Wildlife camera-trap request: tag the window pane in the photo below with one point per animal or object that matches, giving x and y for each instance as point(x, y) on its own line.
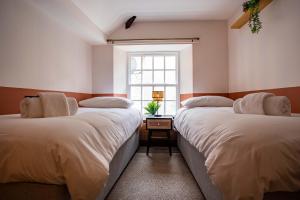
point(170, 107)
point(147, 93)
point(135, 77)
point(147, 77)
point(136, 62)
point(170, 93)
point(137, 105)
point(161, 110)
point(158, 62)
point(147, 62)
point(159, 76)
point(170, 62)
point(135, 93)
point(159, 88)
point(171, 77)
point(145, 103)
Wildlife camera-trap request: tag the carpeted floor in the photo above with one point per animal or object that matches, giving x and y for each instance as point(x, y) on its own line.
point(158, 177)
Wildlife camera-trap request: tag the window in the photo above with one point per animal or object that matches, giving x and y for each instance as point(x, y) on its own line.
point(153, 71)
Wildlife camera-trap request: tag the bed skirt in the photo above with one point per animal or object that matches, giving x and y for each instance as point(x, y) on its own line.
point(38, 191)
point(195, 160)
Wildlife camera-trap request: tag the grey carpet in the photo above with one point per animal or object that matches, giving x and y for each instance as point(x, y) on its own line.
point(157, 176)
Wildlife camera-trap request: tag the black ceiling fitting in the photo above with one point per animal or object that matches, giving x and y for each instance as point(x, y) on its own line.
point(129, 22)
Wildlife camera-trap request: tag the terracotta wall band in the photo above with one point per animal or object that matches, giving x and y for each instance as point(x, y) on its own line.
point(293, 93)
point(11, 97)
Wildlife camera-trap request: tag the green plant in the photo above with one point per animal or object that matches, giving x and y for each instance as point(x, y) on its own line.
point(152, 107)
point(254, 21)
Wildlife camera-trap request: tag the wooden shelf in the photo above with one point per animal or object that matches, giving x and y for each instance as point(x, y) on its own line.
point(242, 20)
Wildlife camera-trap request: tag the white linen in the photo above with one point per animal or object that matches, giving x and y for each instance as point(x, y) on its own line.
point(263, 104)
point(106, 102)
point(31, 107)
point(254, 103)
point(54, 104)
point(73, 105)
point(74, 150)
point(246, 155)
point(277, 106)
point(237, 106)
point(207, 101)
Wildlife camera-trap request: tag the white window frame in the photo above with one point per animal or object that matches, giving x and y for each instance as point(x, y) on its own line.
point(155, 53)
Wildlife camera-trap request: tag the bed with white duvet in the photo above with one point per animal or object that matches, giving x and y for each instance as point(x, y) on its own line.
point(75, 151)
point(244, 156)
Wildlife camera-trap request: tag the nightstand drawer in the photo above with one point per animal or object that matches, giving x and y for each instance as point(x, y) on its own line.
point(159, 124)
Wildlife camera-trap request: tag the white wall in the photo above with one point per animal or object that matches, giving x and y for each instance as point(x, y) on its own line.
point(102, 62)
point(269, 59)
point(210, 56)
point(120, 71)
point(186, 70)
point(109, 70)
point(38, 53)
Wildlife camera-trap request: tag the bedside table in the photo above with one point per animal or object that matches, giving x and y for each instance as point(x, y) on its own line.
point(162, 124)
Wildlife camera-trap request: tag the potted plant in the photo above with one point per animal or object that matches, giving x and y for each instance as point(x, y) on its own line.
point(152, 107)
point(254, 21)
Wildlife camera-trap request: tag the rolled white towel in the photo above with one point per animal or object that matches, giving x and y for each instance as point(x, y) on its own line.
point(73, 105)
point(237, 106)
point(278, 106)
point(54, 104)
point(254, 103)
point(31, 107)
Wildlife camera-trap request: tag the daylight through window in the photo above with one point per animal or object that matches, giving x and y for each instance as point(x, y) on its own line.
point(153, 71)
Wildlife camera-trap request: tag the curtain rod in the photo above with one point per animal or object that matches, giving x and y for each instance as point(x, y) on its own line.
point(152, 40)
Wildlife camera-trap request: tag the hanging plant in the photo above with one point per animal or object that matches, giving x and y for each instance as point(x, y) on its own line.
point(254, 21)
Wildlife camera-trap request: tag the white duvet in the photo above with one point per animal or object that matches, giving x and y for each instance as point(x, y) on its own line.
point(246, 155)
point(74, 150)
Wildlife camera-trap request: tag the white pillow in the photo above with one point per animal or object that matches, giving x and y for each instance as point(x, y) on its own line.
point(106, 102)
point(207, 101)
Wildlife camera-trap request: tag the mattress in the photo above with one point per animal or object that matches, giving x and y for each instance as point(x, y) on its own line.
point(245, 155)
point(74, 150)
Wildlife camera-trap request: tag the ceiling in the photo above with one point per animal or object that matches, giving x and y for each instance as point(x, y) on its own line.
point(110, 14)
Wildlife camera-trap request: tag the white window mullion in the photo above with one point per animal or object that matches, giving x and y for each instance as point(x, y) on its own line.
point(141, 83)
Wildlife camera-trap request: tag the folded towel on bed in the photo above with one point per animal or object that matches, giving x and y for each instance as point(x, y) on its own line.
point(277, 105)
point(263, 104)
point(54, 104)
point(237, 106)
point(31, 107)
point(254, 103)
point(73, 105)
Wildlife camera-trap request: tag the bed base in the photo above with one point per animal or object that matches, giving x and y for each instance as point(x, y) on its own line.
point(38, 191)
point(196, 162)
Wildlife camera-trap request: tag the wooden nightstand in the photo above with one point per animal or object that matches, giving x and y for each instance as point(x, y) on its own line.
point(162, 124)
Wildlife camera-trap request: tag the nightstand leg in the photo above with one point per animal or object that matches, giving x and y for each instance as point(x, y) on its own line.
point(149, 141)
point(169, 141)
